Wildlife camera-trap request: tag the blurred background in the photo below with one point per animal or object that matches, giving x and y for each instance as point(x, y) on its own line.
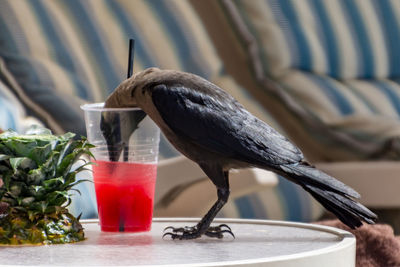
point(325, 73)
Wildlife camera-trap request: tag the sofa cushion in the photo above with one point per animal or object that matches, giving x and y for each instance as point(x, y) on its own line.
point(365, 112)
point(328, 71)
point(341, 39)
point(62, 53)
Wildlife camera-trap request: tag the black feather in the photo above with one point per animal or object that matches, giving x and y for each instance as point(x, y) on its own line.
point(311, 176)
point(222, 126)
point(334, 195)
point(347, 210)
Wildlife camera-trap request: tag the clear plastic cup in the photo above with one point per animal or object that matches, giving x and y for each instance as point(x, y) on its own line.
point(126, 166)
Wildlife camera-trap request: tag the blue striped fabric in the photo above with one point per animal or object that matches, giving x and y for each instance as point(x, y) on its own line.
point(340, 98)
point(327, 34)
point(285, 202)
point(303, 55)
point(361, 39)
point(332, 93)
point(390, 18)
point(294, 200)
point(323, 36)
point(391, 92)
point(337, 60)
point(65, 49)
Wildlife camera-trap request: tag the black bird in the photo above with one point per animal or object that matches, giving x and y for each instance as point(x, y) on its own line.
point(210, 127)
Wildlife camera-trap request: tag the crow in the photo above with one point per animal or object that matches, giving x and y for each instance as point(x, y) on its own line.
point(210, 127)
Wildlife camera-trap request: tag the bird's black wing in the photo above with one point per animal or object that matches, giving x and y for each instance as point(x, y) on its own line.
point(217, 122)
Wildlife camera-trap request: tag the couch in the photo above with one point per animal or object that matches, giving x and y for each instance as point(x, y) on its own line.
point(336, 102)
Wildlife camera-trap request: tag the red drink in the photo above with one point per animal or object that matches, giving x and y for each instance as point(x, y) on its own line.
point(125, 193)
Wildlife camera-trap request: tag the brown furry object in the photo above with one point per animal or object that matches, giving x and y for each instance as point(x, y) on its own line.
point(376, 244)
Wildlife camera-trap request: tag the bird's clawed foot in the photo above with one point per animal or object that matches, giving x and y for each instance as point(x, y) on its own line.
point(218, 231)
point(185, 233)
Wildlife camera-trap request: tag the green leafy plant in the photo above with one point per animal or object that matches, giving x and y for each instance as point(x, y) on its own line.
point(37, 176)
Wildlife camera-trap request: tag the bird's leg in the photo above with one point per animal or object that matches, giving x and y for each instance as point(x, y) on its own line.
point(203, 227)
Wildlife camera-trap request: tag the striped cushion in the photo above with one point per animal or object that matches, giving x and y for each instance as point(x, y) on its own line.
point(64, 52)
point(331, 98)
point(365, 110)
point(333, 64)
point(340, 38)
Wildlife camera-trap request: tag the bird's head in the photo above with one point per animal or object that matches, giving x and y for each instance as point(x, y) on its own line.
point(130, 93)
point(127, 95)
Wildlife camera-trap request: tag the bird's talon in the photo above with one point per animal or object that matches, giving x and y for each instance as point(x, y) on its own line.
point(224, 225)
point(170, 234)
point(169, 227)
point(229, 232)
point(219, 228)
point(218, 233)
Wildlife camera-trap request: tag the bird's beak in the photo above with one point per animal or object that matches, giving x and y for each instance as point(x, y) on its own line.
point(117, 128)
point(110, 126)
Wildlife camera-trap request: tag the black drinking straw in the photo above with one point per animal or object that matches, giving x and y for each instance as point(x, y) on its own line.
point(131, 56)
point(126, 148)
point(129, 74)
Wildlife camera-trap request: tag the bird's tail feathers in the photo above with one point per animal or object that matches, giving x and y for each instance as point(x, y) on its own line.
point(309, 175)
point(331, 193)
point(350, 212)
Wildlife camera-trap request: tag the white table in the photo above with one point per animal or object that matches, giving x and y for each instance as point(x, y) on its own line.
point(257, 243)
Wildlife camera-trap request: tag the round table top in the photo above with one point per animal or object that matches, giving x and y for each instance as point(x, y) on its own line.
point(257, 242)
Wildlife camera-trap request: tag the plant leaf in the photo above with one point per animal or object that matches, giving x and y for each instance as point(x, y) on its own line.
point(40, 154)
point(20, 147)
point(76, 183)
point(53, 183)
